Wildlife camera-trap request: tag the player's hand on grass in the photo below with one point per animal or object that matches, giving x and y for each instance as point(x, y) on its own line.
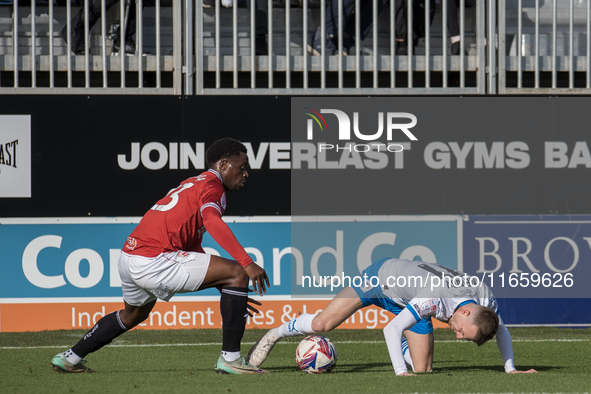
point(407, 374)
point(528, 371)
point(259, 278)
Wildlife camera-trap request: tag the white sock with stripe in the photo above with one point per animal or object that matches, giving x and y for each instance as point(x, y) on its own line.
point(230, 356)
point(301, 325)
point(72, 357)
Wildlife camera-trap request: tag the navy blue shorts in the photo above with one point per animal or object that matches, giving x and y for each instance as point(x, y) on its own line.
point(375, 296)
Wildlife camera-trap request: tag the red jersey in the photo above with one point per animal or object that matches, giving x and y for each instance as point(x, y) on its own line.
point(177, 222)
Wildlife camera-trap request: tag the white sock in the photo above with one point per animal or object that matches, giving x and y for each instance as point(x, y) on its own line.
point(230, 356)
point(406, 353)
point(301, 325)
point(455, 39)
point(72, 357)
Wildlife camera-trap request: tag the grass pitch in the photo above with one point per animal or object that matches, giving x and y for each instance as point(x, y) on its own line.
point(182, 361)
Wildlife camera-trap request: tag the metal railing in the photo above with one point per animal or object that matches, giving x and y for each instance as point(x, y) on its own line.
point(547, 46)
point(34, 55)
point(267, 47)
point(374, 67)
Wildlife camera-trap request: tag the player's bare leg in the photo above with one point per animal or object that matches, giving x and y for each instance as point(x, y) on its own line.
point(337, 311)
point(224, 272)
point(421, 350)
point(232, 280)
point(131, 316)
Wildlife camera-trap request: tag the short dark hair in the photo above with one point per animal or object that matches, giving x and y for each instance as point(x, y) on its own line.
point(488, 324)
point(225, 148)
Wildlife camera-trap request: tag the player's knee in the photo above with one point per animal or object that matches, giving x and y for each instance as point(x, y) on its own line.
point(422, 368)
point(321, 325)
point(422, 365)
point(130, 320)
point(131, 316)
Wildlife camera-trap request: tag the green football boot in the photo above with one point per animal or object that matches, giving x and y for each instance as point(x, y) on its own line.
point(61, 365)
point(238, 367)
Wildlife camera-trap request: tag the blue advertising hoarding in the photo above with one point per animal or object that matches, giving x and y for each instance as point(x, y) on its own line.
point(537, 266)
point(336, 249)
point(76, 258)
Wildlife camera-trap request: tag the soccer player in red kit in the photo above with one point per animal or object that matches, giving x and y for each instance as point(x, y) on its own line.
point(163, 256)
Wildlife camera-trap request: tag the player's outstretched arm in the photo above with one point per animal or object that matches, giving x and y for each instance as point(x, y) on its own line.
point(393, 334)
point(506, 347)
point(222, 234)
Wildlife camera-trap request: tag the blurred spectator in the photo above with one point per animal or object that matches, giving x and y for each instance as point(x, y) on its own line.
point(261, 22)
point(348, 20)
point(453, 26)
point(94, 13)
point(418, 23)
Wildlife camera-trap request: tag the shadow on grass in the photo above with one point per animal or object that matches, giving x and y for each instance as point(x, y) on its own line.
point(387, 367)
point(351, 368)
point(375, 367)
point(495, 368)
point(340, 368)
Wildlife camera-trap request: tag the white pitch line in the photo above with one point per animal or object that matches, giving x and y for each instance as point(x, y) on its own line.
point(280, 343)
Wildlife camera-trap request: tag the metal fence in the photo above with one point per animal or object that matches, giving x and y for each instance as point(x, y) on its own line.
point(375, 66)
point(295, 47)
point(547, 46)
point(35, 37)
